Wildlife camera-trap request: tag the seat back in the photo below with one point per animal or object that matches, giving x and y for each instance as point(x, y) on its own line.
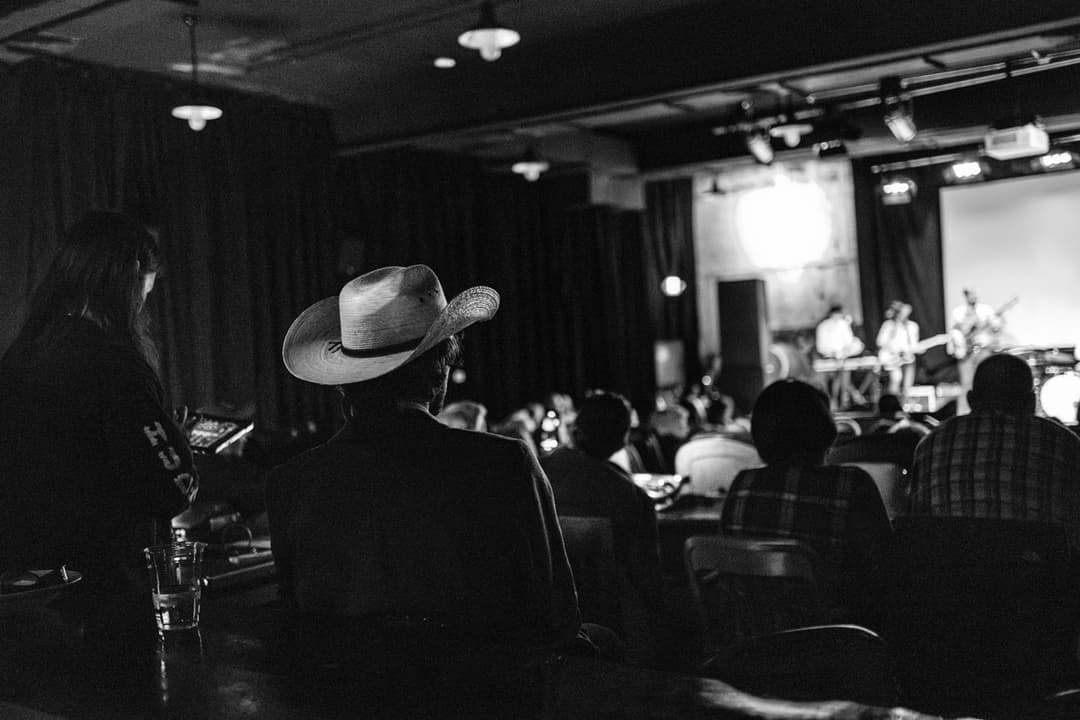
point(898, 448)
point(590, 549)
point(982, 612)
point(744, 587)
point(712, 462)
point(893, 484)
point(825, 662)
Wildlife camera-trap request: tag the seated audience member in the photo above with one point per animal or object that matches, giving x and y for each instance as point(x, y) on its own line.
point(628, 457)
point(1000, 461)
point(893, 418)
point(712, 460)
point(518, 425)
point(586, 484)
point(671, 428)
point(465, 415)
point(837, 510)
point(399, 524)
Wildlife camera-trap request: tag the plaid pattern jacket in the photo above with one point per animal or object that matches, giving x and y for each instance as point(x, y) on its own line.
point(992, 465)
point(837, 510)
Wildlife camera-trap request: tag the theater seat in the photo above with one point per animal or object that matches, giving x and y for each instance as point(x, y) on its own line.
point(712, 461)
point(982, 613)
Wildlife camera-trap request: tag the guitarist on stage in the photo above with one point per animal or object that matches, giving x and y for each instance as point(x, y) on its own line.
point(976, 327)
point(898, 343)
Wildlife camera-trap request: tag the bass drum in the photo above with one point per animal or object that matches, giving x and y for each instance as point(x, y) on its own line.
point(1060, 396)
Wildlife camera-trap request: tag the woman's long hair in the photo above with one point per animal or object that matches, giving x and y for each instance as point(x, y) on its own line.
point(98, 274)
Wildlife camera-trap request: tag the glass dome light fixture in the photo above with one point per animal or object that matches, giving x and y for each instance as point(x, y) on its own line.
point(530, 166)
point(488, 36)
point(196, 114)
point(673, 286)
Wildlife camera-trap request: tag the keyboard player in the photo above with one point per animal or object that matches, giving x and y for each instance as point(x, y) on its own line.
point(835, 340)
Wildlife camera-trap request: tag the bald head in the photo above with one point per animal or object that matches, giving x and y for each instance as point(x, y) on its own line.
point(1003, 382)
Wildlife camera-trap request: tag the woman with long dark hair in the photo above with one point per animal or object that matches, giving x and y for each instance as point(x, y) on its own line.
point(92, 466)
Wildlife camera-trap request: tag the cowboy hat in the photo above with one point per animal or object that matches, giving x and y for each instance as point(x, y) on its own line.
point(377, 323)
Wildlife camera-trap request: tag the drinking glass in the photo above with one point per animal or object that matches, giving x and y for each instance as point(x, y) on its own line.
point(176, 577)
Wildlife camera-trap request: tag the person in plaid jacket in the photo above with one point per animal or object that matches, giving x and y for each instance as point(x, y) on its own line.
point(837, 510)
point(1000, 461)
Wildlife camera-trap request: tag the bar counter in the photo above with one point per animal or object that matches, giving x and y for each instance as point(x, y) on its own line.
point(237, 665)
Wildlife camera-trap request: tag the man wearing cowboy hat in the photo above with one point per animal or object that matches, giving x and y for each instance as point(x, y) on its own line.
point(400, 521)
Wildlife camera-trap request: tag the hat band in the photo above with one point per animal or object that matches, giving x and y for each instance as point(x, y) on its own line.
point(380, 351)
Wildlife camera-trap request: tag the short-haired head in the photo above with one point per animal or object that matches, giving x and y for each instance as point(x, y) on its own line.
point(889, 406)
point(422, 381)
point(602, 424)
point(1003, 382)
point(792, 421)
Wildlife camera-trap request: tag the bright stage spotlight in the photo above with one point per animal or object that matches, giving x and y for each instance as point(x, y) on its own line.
point(964, 171)
point(897, 190)
point(759, 145)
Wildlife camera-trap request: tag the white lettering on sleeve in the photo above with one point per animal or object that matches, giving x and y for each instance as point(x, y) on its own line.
point(155, 434)
point(169, 458)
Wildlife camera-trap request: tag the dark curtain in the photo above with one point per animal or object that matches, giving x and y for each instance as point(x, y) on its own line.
point(572, 314)
point(900, 254)
point(242, 209)
point(669, 231)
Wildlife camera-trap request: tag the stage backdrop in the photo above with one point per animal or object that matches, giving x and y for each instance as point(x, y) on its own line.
point(792, 224)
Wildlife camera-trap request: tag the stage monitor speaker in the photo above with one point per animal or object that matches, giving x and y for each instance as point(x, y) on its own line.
point(744, 339)
point(668, 356)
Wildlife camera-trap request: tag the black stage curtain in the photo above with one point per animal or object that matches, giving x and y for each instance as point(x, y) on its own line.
point(900, 254)
point(243, 211)
point(669, 228)
point(570, 275)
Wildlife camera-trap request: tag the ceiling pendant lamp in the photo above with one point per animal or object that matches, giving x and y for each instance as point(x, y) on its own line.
point(530, 166)
point(195, 113)
point(489, 36)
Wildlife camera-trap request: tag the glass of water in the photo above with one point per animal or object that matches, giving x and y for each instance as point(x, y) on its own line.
point(176, 579)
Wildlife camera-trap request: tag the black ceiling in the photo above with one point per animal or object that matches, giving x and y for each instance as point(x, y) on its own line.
point(658, 76)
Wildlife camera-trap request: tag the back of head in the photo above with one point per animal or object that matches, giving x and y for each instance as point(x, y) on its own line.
point(1003, 382)
point(602, 424)
point(98, 272)
point(889, 406)
point(465, 414)
point(421, 380)
point(791, 419)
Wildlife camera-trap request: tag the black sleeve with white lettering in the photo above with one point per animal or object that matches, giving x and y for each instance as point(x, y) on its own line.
point(158, 476)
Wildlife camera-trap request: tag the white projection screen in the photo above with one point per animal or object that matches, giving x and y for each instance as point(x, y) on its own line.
point(1017, 238)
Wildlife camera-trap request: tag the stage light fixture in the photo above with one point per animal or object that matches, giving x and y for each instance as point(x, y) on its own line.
point(488, 36)
point(791, 132)
point(964, 171)
point(530, 166)
point(830, 148)
point(897, 190)
point(1054, 160)
point(899, 116)
point(760, 146)
point(673, 286)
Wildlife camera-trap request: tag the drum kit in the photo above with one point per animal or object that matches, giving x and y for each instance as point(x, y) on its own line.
point(1057, 382)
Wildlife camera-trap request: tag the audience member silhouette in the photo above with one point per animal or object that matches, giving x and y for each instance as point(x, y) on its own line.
point(1000, 460)
point(837, 510)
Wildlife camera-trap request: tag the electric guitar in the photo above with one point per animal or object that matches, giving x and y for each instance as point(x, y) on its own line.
point(891, 360)
point(979, 336)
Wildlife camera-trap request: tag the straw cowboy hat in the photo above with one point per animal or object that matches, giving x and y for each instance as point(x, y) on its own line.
point(377, 323)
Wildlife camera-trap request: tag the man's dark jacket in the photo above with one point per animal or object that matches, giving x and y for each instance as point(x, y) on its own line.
point(399, 516)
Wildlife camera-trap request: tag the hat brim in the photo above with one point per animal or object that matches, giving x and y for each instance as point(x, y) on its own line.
point(311, 350)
